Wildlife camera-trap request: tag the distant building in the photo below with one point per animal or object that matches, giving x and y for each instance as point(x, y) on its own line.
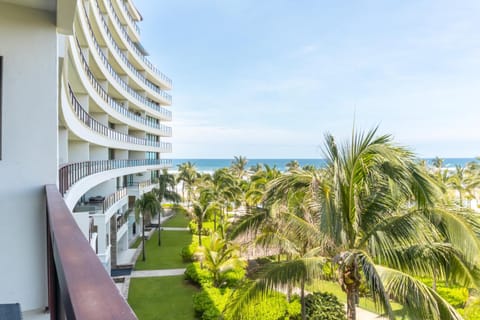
point(82, 107)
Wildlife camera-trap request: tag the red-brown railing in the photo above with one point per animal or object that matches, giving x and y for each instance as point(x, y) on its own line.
point(78, 285)
point(71, 173)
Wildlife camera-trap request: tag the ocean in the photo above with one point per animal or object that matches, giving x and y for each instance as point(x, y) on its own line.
point(210, 165)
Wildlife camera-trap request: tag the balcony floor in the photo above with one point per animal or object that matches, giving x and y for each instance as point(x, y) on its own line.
point(38, 314)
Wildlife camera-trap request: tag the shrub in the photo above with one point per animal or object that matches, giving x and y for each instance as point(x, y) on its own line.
point(233, 277)
point(197, 275)
point(273, 306)
point(206, 230)
point(457, 297)
point(324, 306)
point(210, 302)
point(472, 310)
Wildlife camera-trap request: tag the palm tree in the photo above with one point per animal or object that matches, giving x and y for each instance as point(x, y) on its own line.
point(165, 191)
point(376, 222)
point(147, 205)
point(219, 257)
point(200, 211)
point(292, 165)
point(187, 174)
point(239, 165)
point(221, 188)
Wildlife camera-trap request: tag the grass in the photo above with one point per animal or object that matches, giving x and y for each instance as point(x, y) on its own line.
point(364, 303)
point(165, 298)
point(168, 255)
point(179, 220)
point(136, 243)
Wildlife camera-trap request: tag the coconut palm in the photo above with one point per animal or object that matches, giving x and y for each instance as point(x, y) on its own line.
point(374, 204)
point(239, 165)
point(165, 191)
point(188, 175)
point(292, 165)
point(219, 256)
point(223, 189)
point(147, 205)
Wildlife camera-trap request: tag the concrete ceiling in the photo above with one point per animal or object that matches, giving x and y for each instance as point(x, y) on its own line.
point(49, 5)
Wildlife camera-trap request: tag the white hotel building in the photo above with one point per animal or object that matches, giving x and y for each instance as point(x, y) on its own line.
point(83, 116)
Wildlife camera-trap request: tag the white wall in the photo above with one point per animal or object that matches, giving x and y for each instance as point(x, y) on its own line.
point(28, 44)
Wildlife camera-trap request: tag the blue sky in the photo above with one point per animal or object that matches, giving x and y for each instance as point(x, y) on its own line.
point(266, 79)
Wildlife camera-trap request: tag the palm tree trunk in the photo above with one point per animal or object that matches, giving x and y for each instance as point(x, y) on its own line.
point(199, 234)
point(215, 220)
point(159, 227)
point(351, 299)
point(143, 237)
point(302, 299)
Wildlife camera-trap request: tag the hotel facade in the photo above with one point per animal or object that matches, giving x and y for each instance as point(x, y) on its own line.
point(83, 116)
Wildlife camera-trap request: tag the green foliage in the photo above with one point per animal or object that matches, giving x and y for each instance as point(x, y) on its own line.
point(472, 310)
point(198, 275)
point(272, 307)
point(324, 306)
point(179, 209)
point(189, 251)
point(233, 277)
point(455, 295)
point(207, 228)
point(210, 302)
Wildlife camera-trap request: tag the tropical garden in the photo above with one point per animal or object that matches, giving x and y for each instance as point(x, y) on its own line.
point(374, 227)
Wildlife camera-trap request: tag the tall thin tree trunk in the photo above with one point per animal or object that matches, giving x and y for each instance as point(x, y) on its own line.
point(351, 300)
point(199, 234)
point(302, 299)
point(143, 237)
point(159, 227)
point(215, 220)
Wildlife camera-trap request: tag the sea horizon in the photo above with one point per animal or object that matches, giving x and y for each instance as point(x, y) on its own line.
point(212, 164)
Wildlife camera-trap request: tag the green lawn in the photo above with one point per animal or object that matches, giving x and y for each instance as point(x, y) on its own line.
point(136, 243)
point(179, 220)
point(163, 298)
point(365, 303)
point(168, 255)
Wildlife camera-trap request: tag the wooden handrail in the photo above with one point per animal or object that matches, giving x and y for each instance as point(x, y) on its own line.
point(79, 286)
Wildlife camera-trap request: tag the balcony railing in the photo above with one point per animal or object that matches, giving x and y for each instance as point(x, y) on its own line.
point(124, 58)
point(118, 107)
point(110, 69)
point(102, 91)
point(132, 45)
point(71, 173)
point(129, 16)
point(114, 198)
point(78, 285)
point(102, 129)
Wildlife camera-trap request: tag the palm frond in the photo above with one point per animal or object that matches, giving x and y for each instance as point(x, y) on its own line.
point(420, 300)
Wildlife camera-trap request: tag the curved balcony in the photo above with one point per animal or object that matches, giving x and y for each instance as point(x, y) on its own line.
point(102, 93)
point(126, 13)
point(102, 129)
point(70, 174)
point(155, 91)
point(133, 47)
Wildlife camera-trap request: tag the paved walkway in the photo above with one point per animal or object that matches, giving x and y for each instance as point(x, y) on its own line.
point(157, 273)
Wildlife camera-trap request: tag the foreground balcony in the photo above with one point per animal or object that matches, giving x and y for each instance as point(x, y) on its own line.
point(78, 285)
